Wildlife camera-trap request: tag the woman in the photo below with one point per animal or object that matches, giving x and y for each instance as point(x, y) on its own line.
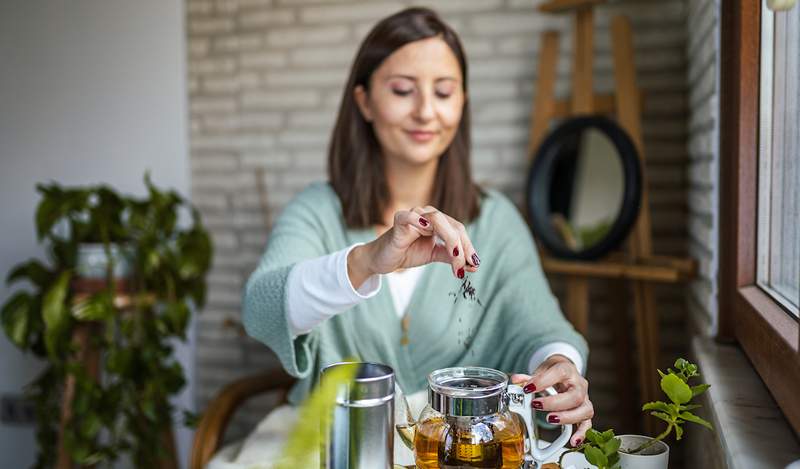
point(464, 282)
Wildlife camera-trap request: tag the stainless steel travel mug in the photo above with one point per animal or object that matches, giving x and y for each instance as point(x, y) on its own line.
point(361, 434)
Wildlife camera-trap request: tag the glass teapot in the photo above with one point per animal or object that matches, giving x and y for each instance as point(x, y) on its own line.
point(475, 419)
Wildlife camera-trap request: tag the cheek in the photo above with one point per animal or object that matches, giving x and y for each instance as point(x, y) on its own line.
point(450, 114)
point(391, 113)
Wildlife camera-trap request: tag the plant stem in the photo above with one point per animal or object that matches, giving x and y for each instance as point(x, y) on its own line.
point(561, 458)
point(652, 441)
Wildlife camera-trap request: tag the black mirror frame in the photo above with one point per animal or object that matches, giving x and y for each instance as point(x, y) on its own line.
point(537, 190)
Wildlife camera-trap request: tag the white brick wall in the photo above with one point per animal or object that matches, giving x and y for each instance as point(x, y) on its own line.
point(266, 78)
point(703, 171)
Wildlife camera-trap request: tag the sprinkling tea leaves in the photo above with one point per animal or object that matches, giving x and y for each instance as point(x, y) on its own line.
point(467, 292)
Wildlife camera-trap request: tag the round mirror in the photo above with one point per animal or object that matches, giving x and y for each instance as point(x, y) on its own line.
point(584, 188)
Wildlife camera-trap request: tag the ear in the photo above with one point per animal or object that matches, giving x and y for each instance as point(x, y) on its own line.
point(362, 101)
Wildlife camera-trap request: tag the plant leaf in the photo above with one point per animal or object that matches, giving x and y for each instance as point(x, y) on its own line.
point(177, 315)
point(54, 311)
point(676, 389)
point(49, 210)
point(665, 417)
point(678, 432)
point(689, 407)
point(610, 447)
point(305, 437)
point(97, 307)
point(596, 457)
point(33, 270)
point(690, 417)
point(699, 389)
point(658, 405)
point(594, 436)
point(16, 318)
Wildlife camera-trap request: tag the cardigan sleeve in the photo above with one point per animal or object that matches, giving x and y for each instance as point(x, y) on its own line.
point(529, 313)
point(298, 234)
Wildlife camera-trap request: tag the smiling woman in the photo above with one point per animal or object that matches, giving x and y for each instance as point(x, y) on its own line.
point(401, 206)
point(405, 103)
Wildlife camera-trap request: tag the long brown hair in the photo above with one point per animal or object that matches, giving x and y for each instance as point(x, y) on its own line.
point(355, 164)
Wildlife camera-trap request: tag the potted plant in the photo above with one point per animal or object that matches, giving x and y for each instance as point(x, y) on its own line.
point(604, 450)
point(103, 247)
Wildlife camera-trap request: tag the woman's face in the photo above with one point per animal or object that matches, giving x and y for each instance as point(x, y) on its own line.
point(415, 101)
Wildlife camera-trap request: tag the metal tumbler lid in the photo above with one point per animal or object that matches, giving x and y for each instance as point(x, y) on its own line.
point(373, 384)
point(469, 391)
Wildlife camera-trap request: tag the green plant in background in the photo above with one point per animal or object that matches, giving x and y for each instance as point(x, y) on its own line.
point(602, 448)
point(675, 413)
point(128, 410)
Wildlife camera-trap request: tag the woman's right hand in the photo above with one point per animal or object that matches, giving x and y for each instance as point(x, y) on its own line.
point(411, 242)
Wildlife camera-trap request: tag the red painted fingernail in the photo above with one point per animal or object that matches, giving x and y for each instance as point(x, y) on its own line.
point(460, 273)
point(423, 221)
point(476, 261)
point(529, 388)
point(578, 442)
point(536, 404)
point(553, 419)
point(455, 252)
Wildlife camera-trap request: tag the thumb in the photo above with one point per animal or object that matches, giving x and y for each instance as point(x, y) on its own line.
point(520, 378)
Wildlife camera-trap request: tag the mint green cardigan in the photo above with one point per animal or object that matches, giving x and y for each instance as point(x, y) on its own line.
point(516, 315)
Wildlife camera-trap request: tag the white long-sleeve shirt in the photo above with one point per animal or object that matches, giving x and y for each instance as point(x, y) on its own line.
point(320, 288)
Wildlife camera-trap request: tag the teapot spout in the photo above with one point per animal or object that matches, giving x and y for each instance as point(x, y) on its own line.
point(407, 431)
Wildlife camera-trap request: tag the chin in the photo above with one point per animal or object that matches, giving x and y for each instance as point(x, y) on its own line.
point(421, 158)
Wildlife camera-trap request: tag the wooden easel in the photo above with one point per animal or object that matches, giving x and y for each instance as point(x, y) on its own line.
point(638, 266)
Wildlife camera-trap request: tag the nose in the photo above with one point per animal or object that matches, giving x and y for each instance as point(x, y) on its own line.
point(424, 110)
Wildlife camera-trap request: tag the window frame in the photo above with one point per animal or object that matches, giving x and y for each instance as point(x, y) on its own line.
point(767, 333)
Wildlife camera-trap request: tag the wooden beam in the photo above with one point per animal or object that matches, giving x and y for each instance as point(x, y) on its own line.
point(621, 269)
point(641, 242)
point(578, 303)
point(561, 6)
point(543, 103)
point(582, 67)
point(605, 103)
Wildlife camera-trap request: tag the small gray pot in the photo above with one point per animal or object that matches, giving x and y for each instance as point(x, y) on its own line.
point(654, 457)
point(92, 261)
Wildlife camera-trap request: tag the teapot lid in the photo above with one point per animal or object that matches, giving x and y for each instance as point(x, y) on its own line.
point(467, 391)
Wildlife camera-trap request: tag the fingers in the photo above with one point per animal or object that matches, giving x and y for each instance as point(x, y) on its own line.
point(580, 433)
point(583, 412)
point(570, 399)
point(452, 241)
point(520, 378)
point(408, 226)
point(457, 250)
point(409, 220)
point(470, 254)
point(563, 372)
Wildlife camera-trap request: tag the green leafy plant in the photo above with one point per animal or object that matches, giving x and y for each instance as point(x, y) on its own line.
point(675, 413)
point(127, 410)
point(602, 448)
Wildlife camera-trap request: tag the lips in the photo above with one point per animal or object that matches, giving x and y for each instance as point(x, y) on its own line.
point(421, 135)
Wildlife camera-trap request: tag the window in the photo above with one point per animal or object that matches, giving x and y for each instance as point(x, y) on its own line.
point(759, 243)
point(778, 247)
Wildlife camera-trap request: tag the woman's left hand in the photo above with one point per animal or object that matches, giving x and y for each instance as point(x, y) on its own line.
point(571, 404)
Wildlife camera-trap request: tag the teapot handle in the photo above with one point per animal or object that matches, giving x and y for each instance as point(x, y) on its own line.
point(520, 403)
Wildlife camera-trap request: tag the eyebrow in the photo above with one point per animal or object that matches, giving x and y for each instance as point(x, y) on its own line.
point(413, 78)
